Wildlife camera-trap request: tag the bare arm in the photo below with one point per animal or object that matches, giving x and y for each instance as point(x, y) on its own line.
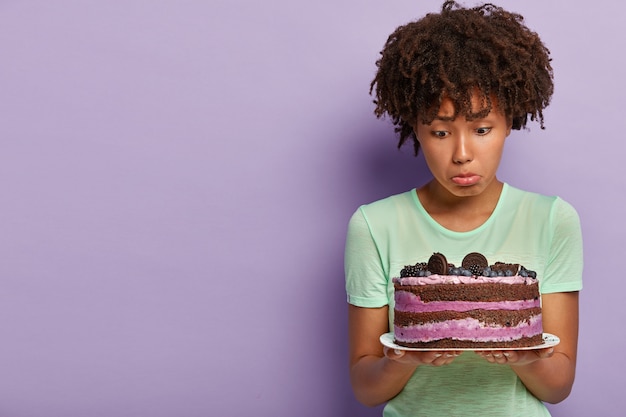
point(551, 378)
point(378, 374)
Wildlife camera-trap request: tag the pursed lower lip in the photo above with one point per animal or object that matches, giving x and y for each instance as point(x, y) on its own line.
point(466, 179)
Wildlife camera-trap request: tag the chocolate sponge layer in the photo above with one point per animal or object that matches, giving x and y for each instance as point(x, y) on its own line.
point(466, 344)
point(472, 292)
point(504, 318)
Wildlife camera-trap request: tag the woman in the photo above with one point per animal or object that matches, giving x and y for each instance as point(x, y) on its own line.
point(455, 84)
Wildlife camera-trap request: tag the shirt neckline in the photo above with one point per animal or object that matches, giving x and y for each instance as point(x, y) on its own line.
point(446, 231)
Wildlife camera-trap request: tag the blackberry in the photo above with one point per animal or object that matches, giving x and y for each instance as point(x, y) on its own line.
point(476, 269)
point(527, 273)
point(409, 271)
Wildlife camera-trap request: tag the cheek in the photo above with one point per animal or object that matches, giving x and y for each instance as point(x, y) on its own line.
point(438, 153)
point(494, 155)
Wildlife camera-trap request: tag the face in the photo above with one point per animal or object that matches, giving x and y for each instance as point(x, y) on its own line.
point(463, 155)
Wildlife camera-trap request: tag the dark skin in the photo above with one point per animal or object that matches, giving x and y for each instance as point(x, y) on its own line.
point(452, 52)
point(379, 373)
point(463, 156)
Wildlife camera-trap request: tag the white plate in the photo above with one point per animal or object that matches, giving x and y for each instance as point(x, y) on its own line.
point(549, 340)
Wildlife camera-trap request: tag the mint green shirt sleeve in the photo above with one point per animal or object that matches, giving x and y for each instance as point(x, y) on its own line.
point(366, 283)
point(564, 266)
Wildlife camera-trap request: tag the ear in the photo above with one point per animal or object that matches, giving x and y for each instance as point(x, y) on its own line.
point(415, 134)
point(509, 125)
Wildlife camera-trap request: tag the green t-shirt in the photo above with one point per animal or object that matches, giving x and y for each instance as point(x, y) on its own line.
point(542, 233)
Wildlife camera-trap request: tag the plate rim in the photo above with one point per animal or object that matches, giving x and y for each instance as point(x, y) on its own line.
point(549, 340)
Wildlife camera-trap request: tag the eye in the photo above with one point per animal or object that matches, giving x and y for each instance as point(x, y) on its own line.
point(482, 131)
point(440, 134)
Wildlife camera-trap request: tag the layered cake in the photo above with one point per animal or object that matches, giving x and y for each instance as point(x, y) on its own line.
point(475, 305)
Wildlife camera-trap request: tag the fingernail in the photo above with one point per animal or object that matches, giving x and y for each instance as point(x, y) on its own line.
point(397, 351)
point(506, 354)
point(437, 355)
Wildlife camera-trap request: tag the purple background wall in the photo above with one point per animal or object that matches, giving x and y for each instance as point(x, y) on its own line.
point(176, 181)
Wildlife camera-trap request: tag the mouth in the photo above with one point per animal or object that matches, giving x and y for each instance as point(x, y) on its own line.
point(466, 179)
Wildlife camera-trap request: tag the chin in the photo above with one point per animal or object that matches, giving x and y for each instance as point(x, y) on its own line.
point(466, 190)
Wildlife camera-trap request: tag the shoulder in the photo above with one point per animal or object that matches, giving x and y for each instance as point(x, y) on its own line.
point(536, 201)
point(381, 215)
point(389, 205)
point(549, 210)
point(522, 196)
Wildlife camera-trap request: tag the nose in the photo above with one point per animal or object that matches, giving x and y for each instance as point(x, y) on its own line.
point(462, 150)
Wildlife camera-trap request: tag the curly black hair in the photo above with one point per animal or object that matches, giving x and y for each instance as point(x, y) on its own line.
point(452, 55)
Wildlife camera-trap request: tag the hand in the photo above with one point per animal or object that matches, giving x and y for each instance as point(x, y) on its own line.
point(516, 357)
point(417, 358)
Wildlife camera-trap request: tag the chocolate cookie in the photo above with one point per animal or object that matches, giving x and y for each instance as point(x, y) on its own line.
point(501, 266)
point(475, 258)
point(437, 264)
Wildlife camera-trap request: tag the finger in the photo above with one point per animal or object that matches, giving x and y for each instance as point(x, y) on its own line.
point(501, 357)
point(445, 358)
point(511, 356)
point(393, 354)
point(486, 354)
point(495, 356)
point(432, 357)
point(545, 353)
point(452, 354)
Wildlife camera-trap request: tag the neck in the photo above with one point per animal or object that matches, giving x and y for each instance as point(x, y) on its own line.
point(459, 213)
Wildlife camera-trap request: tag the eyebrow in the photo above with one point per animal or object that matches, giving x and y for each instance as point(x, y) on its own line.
point(451, 118)
point(444, 118)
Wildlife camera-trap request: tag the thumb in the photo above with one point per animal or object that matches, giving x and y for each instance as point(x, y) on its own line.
point(393, 353)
